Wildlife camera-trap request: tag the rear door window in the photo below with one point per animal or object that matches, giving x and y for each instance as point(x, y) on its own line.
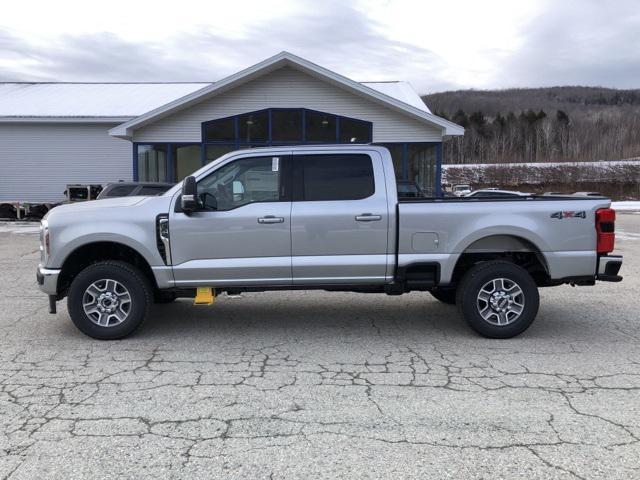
point(333, 177)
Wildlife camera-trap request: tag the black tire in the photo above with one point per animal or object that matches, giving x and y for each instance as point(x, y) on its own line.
point(164, 297)
point(470, 305)
point(445, 295)
point(128, 277)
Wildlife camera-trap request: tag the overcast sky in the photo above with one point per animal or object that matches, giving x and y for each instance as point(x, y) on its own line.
point(436, 45)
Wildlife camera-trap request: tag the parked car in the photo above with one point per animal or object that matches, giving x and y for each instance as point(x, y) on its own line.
point(409, 189)
point(588, 194)
point(325, 218)
point(130, 189)
point(460, 190)
point(496, 193)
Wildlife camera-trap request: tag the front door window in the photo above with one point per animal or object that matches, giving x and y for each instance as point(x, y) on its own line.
point(244, 181)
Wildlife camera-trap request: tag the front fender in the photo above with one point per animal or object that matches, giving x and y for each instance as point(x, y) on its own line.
point(138, 238)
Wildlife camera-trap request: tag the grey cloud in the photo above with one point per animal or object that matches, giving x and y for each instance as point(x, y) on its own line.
point(587, 42)
point(332, 34)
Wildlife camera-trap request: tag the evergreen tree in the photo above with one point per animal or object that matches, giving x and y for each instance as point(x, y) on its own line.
point(461, 118)
point(562, 117)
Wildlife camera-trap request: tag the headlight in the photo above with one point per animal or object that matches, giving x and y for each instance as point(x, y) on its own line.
point(45, 243)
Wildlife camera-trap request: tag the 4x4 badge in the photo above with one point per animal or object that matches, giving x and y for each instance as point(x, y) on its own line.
point(561, 215)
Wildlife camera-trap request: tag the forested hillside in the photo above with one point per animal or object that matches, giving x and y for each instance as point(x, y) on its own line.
point(541, 124)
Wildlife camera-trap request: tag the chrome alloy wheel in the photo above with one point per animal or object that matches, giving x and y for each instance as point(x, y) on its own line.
point(500, 301)
point(106, 303)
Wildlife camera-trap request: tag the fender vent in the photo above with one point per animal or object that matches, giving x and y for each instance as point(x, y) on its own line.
point(162, 237)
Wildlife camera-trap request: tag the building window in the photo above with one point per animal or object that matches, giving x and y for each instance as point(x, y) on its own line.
point(213, 152)
point(152, 162)
point(286, 126)
point(416, 168)
point(421, 167)
point(253, 127)
point(186, 160)
point(223, 130)
point(320, 127)
point(354, 131)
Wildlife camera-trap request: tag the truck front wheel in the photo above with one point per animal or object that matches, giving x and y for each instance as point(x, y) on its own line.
point(498, 299)
point(109, 300)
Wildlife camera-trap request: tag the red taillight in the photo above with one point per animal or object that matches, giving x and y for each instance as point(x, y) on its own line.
point(606, 229)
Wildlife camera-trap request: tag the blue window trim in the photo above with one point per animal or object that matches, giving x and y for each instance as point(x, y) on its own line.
point(439, 169)
point(238, 141)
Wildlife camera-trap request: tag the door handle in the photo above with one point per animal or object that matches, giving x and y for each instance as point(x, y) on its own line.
point(368, 217)
point(271, 219)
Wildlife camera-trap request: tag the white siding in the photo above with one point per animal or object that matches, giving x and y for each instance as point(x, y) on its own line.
point(37, 161)
point(288, 88)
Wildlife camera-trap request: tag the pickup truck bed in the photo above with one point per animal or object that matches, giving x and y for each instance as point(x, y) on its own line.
point(565, 243)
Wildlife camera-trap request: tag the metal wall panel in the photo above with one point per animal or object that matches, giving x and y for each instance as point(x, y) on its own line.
point(37, 161)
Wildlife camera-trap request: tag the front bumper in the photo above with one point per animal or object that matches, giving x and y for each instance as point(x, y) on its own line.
point(608, 268)
point(47, 280)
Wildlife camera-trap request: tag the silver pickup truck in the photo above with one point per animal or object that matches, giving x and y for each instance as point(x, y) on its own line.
point(319, 217)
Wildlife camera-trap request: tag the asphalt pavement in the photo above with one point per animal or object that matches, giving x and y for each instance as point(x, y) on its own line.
point(321, 385)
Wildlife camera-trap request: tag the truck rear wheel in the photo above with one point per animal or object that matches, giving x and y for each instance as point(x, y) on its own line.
point(109, 300)
point(498, 299)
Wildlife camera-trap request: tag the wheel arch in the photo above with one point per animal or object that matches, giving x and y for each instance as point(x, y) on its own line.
point(93, 252)
point(518, 249)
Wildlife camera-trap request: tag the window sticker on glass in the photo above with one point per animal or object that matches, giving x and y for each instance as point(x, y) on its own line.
point(275, 164)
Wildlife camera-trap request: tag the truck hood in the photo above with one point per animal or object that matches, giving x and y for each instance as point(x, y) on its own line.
point(97, 205)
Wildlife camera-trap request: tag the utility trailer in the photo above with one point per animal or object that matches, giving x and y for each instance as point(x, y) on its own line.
point(16, 210)
point(19, 210)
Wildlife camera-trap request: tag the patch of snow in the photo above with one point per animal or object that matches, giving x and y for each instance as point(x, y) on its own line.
point(598, 164)
point(626, 206)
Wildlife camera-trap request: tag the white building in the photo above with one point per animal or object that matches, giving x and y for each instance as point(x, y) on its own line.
point(53, 134)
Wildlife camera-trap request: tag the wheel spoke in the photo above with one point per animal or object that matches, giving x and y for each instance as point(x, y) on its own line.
point(124, 298)
point(487, 313)
point(93, 290)
point(484, 296)
point(120, 314)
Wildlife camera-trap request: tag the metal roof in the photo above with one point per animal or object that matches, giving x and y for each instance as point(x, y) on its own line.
point(127, 99)
point(402, 91)
point(84, 100)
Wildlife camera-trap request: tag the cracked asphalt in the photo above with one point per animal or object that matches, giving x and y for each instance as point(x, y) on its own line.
point(322, 385)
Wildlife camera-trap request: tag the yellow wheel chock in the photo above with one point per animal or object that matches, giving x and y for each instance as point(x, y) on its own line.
point(205, 296)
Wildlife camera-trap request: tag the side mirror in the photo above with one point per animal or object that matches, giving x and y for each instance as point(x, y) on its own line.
point(189, 197)
point(238, 191)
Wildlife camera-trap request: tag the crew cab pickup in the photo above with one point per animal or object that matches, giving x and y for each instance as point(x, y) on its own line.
point(319, 217)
